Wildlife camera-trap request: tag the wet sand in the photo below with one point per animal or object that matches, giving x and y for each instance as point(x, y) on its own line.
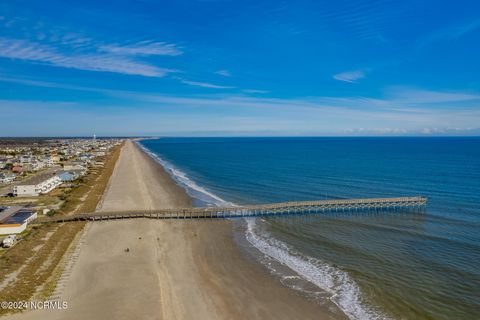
point(173, 269)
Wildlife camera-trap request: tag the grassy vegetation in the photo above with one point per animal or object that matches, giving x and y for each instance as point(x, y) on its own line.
point(38, 255)
point(86, 196)
point(16, 256)
point(41, 264)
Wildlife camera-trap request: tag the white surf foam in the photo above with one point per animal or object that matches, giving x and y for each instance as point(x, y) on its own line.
point(193, 189)
point(343, 290)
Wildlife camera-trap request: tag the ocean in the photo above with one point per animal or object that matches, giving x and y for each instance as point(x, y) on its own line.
point(416, 265)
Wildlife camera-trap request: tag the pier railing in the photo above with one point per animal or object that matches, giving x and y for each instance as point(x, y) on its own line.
point(273, 209)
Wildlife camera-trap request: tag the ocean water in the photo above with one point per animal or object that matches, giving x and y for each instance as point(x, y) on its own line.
point(423, 265)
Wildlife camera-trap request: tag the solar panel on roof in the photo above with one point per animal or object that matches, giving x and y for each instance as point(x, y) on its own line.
point(18, 217)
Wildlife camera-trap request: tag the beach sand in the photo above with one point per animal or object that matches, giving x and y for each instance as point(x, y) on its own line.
point(174, 269)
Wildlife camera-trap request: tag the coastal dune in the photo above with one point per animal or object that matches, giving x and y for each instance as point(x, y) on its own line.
point(172, 269)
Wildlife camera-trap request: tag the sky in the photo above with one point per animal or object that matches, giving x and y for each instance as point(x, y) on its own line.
point(239, 68)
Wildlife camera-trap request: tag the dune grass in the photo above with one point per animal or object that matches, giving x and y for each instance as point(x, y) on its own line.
point(85, 197)
point(38, 255)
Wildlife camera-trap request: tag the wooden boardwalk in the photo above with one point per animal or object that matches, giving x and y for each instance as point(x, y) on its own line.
point(274, 209)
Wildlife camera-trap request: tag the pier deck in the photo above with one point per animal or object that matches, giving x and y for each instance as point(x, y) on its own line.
point(282, 208)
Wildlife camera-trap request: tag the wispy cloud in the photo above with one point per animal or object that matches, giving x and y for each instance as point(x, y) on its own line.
point(406, 95)
point(451, 32)
point(450, 131)
point(462, 29)
point(395, 98)
point(255, 91)
point(350, 76)
point(399, 111)
point(204, 84)
point(375, 131)
point(428, 131)
point(366, 20)
point(69, 39)
point(224, 73)
point(20, 49)
point(144, 48)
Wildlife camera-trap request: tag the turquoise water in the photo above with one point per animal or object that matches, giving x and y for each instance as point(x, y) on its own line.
point(371, 266)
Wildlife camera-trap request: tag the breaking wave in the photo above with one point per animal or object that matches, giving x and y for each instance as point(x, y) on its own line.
point(343, 290)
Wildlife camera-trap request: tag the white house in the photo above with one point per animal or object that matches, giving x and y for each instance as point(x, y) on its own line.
point(26, 158)
point(14, 220)
point(7, 177)
point(75, 167)
point(38, 185)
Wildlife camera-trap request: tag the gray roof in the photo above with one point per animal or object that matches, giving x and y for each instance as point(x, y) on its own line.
point(38, 178)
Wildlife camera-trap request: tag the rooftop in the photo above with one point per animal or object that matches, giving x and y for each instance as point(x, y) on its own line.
point(18, 217)
point(38, 178)
point(6, 213)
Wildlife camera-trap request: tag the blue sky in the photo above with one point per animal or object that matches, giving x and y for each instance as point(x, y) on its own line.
point(216, 67)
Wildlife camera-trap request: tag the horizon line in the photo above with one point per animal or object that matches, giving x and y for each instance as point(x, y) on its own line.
point(239, 136)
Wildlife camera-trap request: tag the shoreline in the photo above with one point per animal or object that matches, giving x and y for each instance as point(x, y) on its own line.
point(247, 251)
point(173, 269)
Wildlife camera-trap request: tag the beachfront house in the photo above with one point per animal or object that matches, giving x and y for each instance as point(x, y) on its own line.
point(14, 220)
point(37, 185)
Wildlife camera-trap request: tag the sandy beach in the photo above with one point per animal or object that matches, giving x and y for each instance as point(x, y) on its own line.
point(173, 269)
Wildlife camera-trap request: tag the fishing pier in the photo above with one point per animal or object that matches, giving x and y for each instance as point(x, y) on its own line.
point(273, 209)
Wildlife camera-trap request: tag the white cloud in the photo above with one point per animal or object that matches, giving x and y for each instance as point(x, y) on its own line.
point(224, 73)
point(413, 95)
point(72, 40)
point(350, 76)
point(376, 131)
point(393, 114)
point(93, 61)
point(143, 48)
point(255, 91)
point(204, 84)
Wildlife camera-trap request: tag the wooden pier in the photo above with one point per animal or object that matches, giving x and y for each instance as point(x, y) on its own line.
point(274, 209)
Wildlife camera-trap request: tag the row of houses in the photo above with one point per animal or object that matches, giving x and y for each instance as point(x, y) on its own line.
point(70, 172)
point(27, 162)
point(44, 183)
point(18, 160)
point(60, 162)
point(55, 151)
point(40, 184)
